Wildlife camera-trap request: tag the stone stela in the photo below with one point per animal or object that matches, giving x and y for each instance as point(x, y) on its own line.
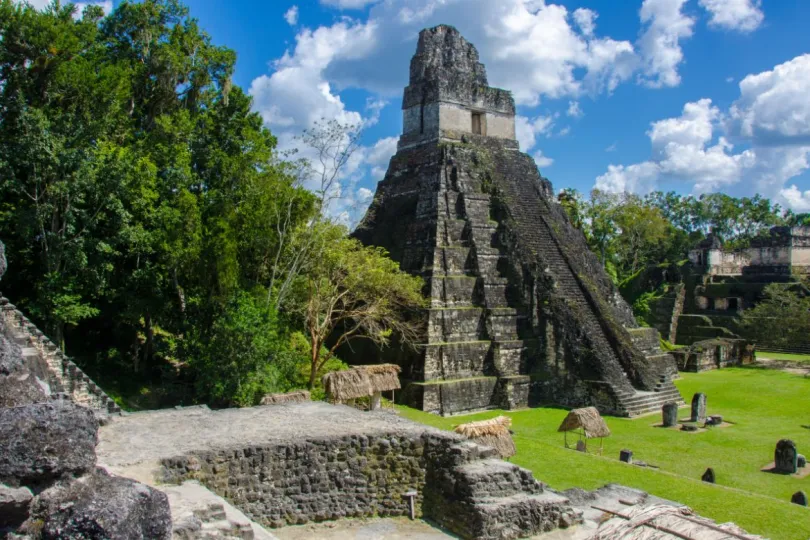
point(521, 312)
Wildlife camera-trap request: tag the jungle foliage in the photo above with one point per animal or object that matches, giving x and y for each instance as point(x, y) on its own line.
point(152, 228)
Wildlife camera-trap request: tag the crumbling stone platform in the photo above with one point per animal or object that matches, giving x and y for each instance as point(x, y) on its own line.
point(298, 463)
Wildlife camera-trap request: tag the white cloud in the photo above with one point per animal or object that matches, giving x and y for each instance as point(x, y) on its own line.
point(527, 130)
point(542, 160)
point(586, 20)
point(574, 110)
point(659, 44)
point(297, 94)
point(637, 178)
point(379, 155)
point(770, 120)
point(796, 199)
point(773, 107)
point(741, 15)
point(364, 194)
point(612, 147)
point(291, 16)
point(348, 4)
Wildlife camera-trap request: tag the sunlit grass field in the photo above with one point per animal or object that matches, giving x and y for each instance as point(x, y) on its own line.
point(763, 405)
point(784, 356)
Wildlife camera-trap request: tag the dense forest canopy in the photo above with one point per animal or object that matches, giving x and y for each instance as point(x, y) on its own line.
point(152, 228)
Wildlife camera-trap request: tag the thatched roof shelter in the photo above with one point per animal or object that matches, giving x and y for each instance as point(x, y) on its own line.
point(297, 396)
point(384, 377)
point(666, 522)
point(361, 381)
point(588, 421)
point(494, 433)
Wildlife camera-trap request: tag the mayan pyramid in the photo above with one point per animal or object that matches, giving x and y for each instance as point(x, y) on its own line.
point(521, 312)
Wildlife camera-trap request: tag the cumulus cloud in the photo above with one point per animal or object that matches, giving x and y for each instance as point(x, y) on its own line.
point(665, 25)
point(379, 155)
point(773, 108)
point(542, 160)
point(574, 110)
point(636, 178)
point(291, 16)
point(740, 15)
point(528, 129)
point(770, 120)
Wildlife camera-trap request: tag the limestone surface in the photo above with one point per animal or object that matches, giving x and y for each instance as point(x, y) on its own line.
point(42, 442)
point(99, 505)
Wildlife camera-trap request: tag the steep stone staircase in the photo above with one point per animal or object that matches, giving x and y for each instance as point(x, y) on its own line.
point(533, 225)
point(477, 495)
point(49, 363)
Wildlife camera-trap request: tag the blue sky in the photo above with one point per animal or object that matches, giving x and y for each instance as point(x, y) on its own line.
point(688, 95)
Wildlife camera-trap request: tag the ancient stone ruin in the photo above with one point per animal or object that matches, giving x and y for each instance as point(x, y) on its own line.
point(521, 312)
point(669, 413)
point(698, 409)
point(785, 457)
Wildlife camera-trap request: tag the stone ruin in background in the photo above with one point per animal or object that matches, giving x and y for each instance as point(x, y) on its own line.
point(521, 312)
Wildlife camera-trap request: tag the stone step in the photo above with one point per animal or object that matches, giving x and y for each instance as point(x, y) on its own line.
point(523, 515)
point(491, 478)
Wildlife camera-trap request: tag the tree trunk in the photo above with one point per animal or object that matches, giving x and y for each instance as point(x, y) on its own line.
point(313, 370)
point(150, 334)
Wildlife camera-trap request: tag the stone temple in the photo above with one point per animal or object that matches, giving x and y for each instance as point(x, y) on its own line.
point(521, 312)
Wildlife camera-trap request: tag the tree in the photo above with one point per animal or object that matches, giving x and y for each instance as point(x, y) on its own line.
point(356, 292)
point(781, 319)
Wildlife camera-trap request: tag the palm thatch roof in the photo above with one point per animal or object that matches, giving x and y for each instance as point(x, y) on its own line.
point(588, 420)
point(361, 381)
point(663, 522)
point(384, 377)
point(297, 396)
point(494, 433)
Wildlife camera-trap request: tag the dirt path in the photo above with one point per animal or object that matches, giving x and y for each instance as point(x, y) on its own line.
point(796, 368)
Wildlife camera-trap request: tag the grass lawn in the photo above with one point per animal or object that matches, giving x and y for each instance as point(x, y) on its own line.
point(764, 405)
point(784, 356)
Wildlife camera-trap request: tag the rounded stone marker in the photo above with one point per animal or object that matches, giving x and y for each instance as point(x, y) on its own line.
point(800, 498)
point(698, 407)
point(670, 414)
point(708, 476)
point(689, 427)
point(626, 456)
point(801, 461)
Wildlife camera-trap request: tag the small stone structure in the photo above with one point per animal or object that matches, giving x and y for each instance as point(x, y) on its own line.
point(669, 412)
point(521, 312)
point(291, 463)
point(785, 458)
point(800, 498)
point(720, 283)
point(626, 456)
point(698, 407)
point(708, 476)
point(715, 353)
point(801, 461)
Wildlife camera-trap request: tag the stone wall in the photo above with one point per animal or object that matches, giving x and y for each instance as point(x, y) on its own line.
point(714, 354)
point(460, 485)
point(316, 479)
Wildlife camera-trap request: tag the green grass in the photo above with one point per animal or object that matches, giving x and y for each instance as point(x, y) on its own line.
point(764, 405)
point(784, 356)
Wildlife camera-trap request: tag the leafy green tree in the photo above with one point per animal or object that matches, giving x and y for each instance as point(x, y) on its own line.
point(356, 292)
point(246, 354)
point(781, 319)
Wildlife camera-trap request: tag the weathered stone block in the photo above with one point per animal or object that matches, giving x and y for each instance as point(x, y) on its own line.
point(45, 441)
point(670, 414)
point(786, 457)
point(100, 505)
point(698, 407)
